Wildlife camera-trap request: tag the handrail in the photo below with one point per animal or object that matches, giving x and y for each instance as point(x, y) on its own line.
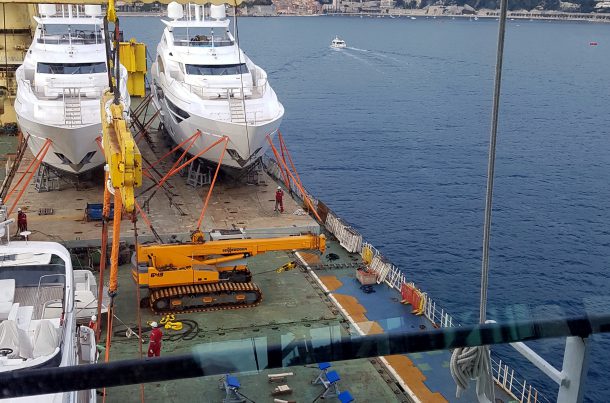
point(196, 364)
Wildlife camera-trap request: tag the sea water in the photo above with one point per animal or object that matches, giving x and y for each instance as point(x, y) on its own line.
point(393, 132)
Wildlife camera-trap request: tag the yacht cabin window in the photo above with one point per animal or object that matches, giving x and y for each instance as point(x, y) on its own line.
point(71, 68)
point(216, 69)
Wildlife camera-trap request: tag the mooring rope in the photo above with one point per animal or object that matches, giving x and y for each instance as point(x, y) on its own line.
point(472, 362)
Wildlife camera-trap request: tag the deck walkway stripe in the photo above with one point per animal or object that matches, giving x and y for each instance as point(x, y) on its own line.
point(400, 380)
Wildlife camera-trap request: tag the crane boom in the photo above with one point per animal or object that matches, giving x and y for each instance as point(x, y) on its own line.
point(187, 254)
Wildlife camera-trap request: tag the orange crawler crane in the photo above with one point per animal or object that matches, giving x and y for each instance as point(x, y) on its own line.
point(207, 275)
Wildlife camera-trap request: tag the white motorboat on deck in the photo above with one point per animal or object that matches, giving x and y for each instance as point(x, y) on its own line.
point(203, 81)
point(338, 43)
point(60, 83)
point(38, 326)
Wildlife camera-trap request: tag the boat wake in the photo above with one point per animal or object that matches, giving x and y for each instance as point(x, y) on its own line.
point(373, 57)
point(357, 49)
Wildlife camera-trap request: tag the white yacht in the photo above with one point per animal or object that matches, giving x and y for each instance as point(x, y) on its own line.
point(38, 312)
point(338, 43)
point(203, 81)
point(60, 85)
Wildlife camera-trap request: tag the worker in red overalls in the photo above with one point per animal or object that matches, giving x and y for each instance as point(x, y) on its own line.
point(22, 221)
point(279, 199)
point(154, 348)
point(93, 323)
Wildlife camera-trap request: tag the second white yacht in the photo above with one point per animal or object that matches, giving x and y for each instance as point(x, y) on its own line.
point(203, 81)
point(60, 85)
point(38, 313)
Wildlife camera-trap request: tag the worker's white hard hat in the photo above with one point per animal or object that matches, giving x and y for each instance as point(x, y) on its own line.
point(18, 209)
point(153, 324)
point(94, 318)
point(279, 188)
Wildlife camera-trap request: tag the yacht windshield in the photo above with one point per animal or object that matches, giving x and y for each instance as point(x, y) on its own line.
point(71, 68)
point(216, 70)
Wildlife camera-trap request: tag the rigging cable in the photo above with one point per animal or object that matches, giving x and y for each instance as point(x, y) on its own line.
point(474, 362)
point(241, 79)
point(134, 219)
point(5, 58)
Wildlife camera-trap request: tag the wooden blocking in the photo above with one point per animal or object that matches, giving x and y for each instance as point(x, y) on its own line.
point(279, 377)
point(284, 401)
point(281, 390)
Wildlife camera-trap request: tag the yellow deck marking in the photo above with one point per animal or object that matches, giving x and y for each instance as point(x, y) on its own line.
point(331, 282)
point(414, 378)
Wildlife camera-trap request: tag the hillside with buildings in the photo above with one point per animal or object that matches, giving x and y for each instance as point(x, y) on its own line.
point(535, 8)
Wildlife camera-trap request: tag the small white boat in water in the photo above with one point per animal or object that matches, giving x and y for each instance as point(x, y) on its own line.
point(203, 81)
point(60, 84)
point(338, 43)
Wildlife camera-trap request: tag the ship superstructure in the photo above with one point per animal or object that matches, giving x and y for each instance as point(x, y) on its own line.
point(204, 82)
point(60, 85)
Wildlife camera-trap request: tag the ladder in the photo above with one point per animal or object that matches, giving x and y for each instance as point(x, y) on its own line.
point(236, 108)
point(72, 107)
point(6, 184)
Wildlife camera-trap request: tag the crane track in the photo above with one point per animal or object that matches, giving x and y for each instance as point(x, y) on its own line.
point(218, 291)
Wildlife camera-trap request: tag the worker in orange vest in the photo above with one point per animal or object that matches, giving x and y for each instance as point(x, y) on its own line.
point(279, 199)
point(154, 347)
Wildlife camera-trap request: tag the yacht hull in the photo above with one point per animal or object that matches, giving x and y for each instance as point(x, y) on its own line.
point(77, 145)
point(246, 142)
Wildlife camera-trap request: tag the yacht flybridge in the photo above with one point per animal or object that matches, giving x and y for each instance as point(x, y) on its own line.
point(60, 85)
point(38, 312)
point(204, 82)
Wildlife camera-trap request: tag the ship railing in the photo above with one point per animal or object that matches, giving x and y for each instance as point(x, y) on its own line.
point(514, 384)
point(394, 277)
point(259, 354)
point(210, 91)
point(52, 91)
point(202, 41)
point(80, 37)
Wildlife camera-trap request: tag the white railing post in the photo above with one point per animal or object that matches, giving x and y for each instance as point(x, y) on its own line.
point(575, 366)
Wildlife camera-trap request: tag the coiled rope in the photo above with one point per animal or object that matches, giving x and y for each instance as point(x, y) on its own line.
point(468, 363)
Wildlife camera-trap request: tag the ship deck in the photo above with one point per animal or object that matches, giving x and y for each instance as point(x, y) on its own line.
point(320, 302)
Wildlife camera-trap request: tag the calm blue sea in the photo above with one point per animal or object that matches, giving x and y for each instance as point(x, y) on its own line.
point(392, 133)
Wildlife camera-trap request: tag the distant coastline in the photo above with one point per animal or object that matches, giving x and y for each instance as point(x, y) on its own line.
point(422, 13)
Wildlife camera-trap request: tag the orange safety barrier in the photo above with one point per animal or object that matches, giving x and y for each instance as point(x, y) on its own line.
point(411, 295)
